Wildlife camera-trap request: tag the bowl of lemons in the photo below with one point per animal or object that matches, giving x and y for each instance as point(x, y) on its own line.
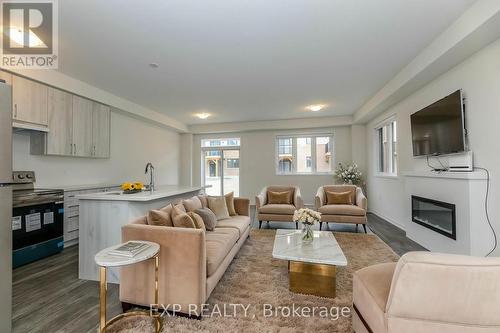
point(130, 188)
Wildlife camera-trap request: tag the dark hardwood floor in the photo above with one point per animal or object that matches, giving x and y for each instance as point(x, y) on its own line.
point(49, 297)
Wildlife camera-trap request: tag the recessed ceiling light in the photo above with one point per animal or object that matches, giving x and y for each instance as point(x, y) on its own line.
point(315, 107)
point(154, 65)
point(202, 115)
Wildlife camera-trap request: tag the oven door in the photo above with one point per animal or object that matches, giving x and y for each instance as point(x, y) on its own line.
point(37, 232)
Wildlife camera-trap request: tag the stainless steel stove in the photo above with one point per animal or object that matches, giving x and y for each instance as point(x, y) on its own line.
point(37, 219)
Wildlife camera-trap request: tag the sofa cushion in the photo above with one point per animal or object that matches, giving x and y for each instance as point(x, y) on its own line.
point(342, 210)
point(339, 198)
point(181, 219)
point(203, 200)
point(208, 217)
point(192, 204)
point(218, 244)
point(230, 204)
point(277, 209)
point(198, 221)
point(159, 217)
point(371, 287)
point(219, 207)
point(239, 223)
point(284, 197)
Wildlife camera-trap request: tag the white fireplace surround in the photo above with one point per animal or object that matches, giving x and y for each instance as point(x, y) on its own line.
point(467, 191)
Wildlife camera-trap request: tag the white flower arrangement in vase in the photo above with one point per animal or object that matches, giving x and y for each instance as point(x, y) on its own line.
point(349, 174)
point(307, 217)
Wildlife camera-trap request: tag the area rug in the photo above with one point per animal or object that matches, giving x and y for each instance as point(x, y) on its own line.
point(260, 284)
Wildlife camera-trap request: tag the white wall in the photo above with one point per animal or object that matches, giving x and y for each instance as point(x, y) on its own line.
point(479, 78)
point(134, 142)
point(257, 160)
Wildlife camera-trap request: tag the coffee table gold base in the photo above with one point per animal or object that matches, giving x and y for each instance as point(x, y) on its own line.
point(133, 314)
point(312, 279)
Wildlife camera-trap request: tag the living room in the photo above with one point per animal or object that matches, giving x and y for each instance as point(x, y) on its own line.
point(323, 166)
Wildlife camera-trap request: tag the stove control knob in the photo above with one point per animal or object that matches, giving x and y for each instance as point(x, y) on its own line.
point(29, 176)
point(20, 176)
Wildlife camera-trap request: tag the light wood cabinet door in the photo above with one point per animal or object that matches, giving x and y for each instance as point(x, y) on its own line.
point(29, 101)
point(60, 137)
point(6, 77)
point(82, 126)
point(100, 130)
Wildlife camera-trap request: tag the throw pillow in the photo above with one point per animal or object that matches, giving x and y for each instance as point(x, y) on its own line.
point(192, 204)
point(338, 198)
point(230, 204)
point(208, 217)
point(159, 217)
point(198, 221)
point(279, 197)
point(182, 219)
point(218, 206)
point(203, 199)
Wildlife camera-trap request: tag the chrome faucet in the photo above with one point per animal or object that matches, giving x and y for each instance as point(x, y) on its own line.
point(151, 169)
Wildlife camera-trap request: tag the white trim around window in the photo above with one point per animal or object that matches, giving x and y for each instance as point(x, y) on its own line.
point(298, 154)
point(386, 148)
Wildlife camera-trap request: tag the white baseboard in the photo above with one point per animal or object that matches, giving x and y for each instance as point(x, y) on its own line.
point(388, 219)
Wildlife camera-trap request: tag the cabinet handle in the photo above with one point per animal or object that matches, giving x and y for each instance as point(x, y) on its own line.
point(74, 149)
point(15, 110)
point(71, 149)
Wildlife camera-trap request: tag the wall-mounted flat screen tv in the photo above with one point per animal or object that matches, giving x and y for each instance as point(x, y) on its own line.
point(439, 128)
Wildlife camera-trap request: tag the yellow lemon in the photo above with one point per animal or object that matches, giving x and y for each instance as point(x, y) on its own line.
point(126, 186)
point(139, 185)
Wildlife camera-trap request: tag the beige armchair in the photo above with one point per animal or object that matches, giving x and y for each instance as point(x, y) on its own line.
point(355, 213)
point(428, 293)
point(278, 212)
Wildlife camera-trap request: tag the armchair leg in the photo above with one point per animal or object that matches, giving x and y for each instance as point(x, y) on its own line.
point(364, 227)
point(357, 225)
point(260, 224)
point(297, 225)
point(320, 224)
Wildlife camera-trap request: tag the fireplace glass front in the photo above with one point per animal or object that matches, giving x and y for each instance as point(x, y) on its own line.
point(436, 215)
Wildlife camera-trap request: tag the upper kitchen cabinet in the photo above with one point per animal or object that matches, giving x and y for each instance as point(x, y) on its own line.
point(101, 116)
point(59, 140)
point(82, 127)
point(29, 101)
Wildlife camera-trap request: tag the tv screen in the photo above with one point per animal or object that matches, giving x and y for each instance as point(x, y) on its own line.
point(439, 128)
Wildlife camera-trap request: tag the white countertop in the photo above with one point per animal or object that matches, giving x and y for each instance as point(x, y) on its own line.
point(324, 249)
point(160, 192)
point(69, 188)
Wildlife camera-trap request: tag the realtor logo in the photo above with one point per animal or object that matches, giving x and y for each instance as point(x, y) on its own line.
point(29, 34)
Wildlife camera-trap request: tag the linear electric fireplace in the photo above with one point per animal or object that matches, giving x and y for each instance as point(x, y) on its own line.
point(436, 215)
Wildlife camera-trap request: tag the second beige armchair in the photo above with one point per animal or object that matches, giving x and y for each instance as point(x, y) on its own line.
point(353, 211)
point(278, 203)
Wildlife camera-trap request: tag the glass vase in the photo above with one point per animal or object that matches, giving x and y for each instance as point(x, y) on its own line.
point(307, 233)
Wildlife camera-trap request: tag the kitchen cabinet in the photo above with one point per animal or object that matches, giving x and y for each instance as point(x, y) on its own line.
point(6, 77)
point(82, 126)
point(29, 101)
point(101, 116)
point(59, 139)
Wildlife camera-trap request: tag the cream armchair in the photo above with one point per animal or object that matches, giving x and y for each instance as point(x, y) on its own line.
point(428, 293)
point(355, 213)
point(278, 212)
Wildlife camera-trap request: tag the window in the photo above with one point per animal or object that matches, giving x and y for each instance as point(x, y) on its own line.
point(233, 163)
point(386, 135)
point(304, 154)
point(221, 165)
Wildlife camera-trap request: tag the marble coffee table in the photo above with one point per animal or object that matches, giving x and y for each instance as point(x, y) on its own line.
point(311, 267)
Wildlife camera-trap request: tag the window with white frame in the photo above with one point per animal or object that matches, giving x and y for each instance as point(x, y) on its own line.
point(304, 154)
point(387, 147)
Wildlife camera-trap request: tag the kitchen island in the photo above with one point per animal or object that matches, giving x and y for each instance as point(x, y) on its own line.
point(103, 214)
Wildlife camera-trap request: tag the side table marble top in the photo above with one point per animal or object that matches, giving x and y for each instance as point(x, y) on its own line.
point(104, 259)
point(324, 249)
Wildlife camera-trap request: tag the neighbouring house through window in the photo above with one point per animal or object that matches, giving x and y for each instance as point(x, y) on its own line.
point(386, 136)
point(304, 154)
point(221, 165)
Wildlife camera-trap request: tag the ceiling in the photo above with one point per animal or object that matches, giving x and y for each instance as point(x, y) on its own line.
point(246, 60)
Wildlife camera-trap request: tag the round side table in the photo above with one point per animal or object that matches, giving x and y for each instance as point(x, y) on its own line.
point(104, 259)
